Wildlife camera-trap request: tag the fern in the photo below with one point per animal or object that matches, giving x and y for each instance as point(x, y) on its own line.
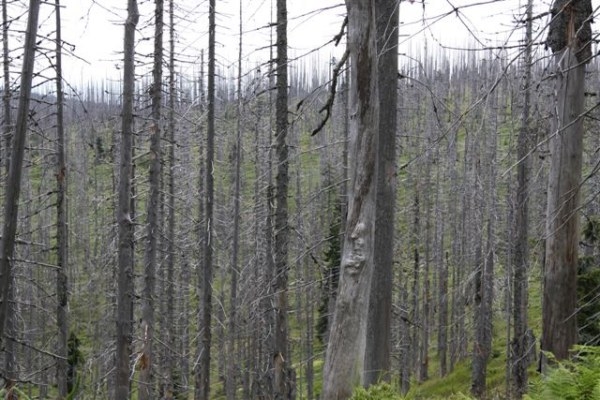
point(571, 380)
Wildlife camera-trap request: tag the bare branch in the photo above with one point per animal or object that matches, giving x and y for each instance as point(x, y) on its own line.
point(329, 105)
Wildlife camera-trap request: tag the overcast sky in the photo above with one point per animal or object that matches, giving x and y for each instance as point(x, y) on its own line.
point(95, 27)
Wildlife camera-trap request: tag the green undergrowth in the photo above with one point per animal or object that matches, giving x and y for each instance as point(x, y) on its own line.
point(385, 391)
point(576, 379)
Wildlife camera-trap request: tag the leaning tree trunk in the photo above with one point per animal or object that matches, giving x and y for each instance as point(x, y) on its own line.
point(125, 288)
point(62, 237)
point(343, 368)
point(569, 38)
point(13, 183)
point(378, 350)
point(146, 384)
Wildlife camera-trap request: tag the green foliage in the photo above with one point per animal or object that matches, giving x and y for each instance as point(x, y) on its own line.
point(330, 283)
point(578, 379)
point(588, 294)
point(382, 391)
point(588, 287)
point(74, 358)
point(591, 231)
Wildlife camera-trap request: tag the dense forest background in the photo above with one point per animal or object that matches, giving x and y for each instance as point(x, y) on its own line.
point(219, 302)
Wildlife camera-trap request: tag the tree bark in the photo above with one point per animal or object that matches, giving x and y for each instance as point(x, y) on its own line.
point(282, 382)
point(378, 350)
point(125, 290)
point(230, 380)
point(519, 359)
point(6, 96)
point(569, 38)
point(343, 369)
point(203, 382)
point(146, 379)
point(175, 375)
point(13, 183)
point(62, 237)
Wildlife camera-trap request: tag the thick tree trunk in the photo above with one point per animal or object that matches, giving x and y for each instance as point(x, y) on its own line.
point(343, 369)
point(146, 379)
point(378, 350)
point(62, 237)
point(13, 183)
point(569, 38)
point(125, 290)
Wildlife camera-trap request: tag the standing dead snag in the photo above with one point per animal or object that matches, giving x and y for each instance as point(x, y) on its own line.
point(13, 182)
point(569, 38)
point(343, 368)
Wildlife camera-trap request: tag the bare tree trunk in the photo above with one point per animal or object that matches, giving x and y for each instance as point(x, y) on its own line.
point(484, 287)
point(201, 219)
point(518, 358)
point(62, 237)
point(6, 96)
point(125, 291)
point(175, 377)
point(146, 379)
point(378, 350)
point(282, 379)
point(569, 38)
point(230, 380)
point(441, 262)
point(13, 183)
point(343, 368)
point(203, 376)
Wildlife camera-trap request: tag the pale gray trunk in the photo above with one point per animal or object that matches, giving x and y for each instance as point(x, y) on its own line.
point(125, 288)
point(378, 350)
point(569, 38)
point(343, 369)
